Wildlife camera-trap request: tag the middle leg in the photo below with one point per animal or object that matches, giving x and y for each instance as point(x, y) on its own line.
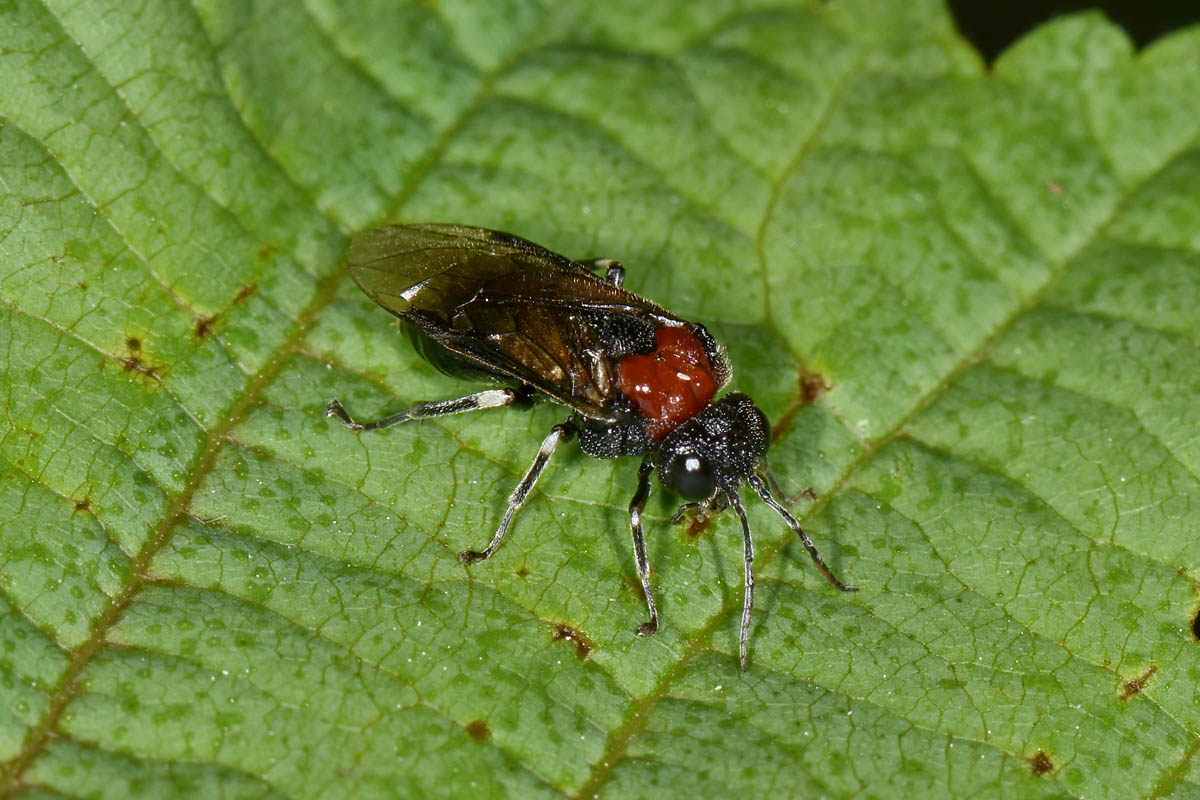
point(636, 506)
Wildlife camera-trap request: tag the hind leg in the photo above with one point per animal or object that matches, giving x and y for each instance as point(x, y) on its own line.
point(492, 398)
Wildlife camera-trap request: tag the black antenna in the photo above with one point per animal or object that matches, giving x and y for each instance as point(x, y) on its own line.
point(765, 494)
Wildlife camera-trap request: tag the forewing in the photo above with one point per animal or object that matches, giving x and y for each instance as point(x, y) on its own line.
point(513, 307)
point(434, 268)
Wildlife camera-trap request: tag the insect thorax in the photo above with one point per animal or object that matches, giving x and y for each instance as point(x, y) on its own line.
point(625, 437)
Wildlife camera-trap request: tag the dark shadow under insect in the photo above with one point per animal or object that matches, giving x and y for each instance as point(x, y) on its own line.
point(638, 380)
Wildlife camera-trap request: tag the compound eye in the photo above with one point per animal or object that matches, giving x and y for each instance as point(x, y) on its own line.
point(692, 476)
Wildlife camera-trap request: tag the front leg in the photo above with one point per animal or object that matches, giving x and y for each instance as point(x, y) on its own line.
point(636, 506)
point(700, 511)
point(695, 510)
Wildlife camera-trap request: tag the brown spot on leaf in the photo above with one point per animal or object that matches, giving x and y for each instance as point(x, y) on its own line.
point(698, 526)
point(810, 386)
point(84, 505)
point(813, 385)
point(1196, 625)
point(583, 645)
point(478, 730)
point(246, 290)
point(82, 285)
point(695, 523)
point(1135, 685)
point(522, 571)
point(204, 326)
point(1041, 763)
point(133, 343)
point(266, 251)
point(135, 365)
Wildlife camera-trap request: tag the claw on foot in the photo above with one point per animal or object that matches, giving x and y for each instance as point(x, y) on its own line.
point(335, 409)
point(471, 556)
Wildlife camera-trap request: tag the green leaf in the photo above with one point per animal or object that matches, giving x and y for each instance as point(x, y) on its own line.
point(966, 297)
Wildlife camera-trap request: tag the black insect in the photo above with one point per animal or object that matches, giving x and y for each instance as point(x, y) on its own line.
point(638, 380)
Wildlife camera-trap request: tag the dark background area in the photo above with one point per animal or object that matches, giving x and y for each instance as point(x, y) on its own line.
point(992, 25)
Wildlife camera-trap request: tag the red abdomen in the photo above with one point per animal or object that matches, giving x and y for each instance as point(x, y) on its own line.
point(670, 385)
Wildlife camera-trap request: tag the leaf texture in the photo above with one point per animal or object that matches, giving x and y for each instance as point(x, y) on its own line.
point(965, 297)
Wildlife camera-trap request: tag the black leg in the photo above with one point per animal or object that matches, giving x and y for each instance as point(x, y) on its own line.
point(700, 510)
point(517, 499)
point(761, 489)
point(748, 597)
point(613, 270)
point(636, 506)
point(492, 398)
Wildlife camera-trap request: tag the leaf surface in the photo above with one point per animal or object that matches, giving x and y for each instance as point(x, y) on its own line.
point(966, 298)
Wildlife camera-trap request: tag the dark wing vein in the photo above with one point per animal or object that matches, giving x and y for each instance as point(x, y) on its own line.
point(518, 310)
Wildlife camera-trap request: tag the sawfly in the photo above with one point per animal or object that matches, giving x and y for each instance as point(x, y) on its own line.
point(636, 379)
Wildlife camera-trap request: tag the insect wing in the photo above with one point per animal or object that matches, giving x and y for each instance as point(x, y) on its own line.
point(515, 308)
point(434, 268)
